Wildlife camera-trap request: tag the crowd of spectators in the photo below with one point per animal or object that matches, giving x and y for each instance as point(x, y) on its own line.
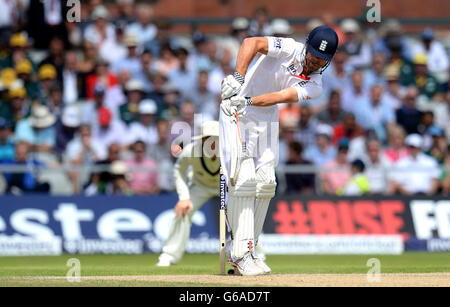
point(381, 125)
point(103, 99)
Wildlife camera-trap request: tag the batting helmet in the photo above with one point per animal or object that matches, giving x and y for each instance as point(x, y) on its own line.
point(322, 42)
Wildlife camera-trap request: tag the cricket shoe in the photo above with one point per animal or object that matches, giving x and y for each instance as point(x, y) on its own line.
point(261, 264)
point(164, 261)
point(228, 248)
point(246, 266)
point(260, 259)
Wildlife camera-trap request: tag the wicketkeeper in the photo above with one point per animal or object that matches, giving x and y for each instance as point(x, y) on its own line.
point(197, 180)
point(286, 72)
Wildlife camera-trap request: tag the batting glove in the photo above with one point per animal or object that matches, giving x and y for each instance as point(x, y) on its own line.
point(230, 110)
point(231, 85)
point(226, 107)
point(241, 102)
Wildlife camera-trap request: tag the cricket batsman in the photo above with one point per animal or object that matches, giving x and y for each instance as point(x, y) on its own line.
point(286, 72)
point(197, 176)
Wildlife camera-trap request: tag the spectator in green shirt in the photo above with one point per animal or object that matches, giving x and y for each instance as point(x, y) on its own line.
point(15, 108)
point(19, 45)
point(129, 111)
point(24, 70)
point(438, 146)
point(421, 78)
point(47, 79)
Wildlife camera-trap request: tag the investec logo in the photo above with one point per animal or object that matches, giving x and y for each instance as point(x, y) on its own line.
point(277, 43)
point(73, 223)
point(222, 191)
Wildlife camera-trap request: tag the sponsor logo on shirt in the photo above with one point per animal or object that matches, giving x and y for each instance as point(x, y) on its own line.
point(302, 83)
point(292, 68)
point(277, 43)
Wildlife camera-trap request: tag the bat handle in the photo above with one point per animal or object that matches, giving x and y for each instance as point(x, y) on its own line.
point(237, 124)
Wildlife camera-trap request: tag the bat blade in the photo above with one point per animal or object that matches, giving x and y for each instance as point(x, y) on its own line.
point(222, 224)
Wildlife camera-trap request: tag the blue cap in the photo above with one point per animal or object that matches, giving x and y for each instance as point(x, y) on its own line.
point(344, 143)
point(435, 131)
point(322, 42)
point(427, 34)
point(198, 37)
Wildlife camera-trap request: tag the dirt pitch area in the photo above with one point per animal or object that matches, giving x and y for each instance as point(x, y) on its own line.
point(289, 280)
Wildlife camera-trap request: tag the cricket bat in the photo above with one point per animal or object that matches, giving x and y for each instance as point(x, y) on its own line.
point(222, 224)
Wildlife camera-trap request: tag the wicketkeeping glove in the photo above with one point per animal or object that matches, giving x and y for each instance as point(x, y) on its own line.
point(231, 85)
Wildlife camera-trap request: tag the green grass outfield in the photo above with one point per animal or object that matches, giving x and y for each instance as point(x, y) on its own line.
point(26, 271)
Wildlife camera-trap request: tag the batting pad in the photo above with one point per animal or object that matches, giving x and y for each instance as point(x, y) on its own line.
point(265, 181)
point(240, 209)
point(246, 182)
point(240, 214)
point(261, 206)
point(265, 190)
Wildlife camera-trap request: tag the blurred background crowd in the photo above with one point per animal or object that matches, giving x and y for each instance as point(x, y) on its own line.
point(86, 106)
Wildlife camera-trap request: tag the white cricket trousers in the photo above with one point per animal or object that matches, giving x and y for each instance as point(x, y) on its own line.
point(249, 199)
point(180, 229)
point(259, 129)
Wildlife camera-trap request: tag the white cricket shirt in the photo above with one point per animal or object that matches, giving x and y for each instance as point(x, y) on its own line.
point(280, 69)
